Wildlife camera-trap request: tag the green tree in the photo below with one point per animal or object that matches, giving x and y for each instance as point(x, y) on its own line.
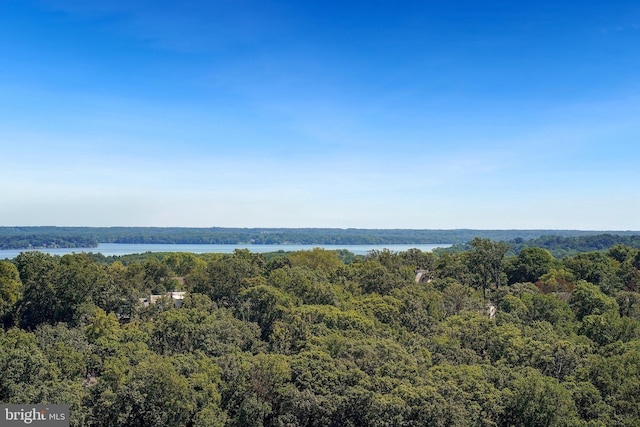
point(184, 330)
point(39, 301)
point(224, 277)
point(486, 260)
point(453, 266)
point(418, 259)
point(539, 401)
point(203, 388)
point(548, 308)
point(374, 276)
point(183, 263)
point(67, 348)
point(556, 280)
point(629, 276)
point(152, 394)
point(475, 394)
point(609, 327)
point(318, 259)
point(616, 376)
point(596, 268)
point(157, 275)
point(588, 299)
point(629, 303)
point(529, 265)
point(457, 298)
point(265, 305)
point(26, 372)
point(79, 281)
point(589, 402)
point(622, 253)
point(10, 287)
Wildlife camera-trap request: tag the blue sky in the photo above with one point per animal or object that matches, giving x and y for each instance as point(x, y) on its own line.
point(376, 114)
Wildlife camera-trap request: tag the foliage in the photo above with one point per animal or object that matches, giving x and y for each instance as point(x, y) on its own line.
point(88, 237)
point(10, 287)
point(308, 339)
point(486, 261)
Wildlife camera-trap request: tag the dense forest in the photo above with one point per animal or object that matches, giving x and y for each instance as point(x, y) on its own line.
point(88, 237)
point(560, 246)
point(321, 338)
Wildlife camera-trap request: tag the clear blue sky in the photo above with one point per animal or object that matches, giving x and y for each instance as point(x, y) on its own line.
point(370, 114)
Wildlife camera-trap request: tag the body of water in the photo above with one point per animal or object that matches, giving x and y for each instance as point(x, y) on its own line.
point(109, 249)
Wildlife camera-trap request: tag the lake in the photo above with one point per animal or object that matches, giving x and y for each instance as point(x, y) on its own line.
point(109, 249)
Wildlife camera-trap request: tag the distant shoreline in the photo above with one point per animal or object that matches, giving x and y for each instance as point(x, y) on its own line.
point(51, 237)
point(122, 249)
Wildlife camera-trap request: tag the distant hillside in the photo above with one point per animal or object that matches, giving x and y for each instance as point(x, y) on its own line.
point(561, 246)
point(43, 237)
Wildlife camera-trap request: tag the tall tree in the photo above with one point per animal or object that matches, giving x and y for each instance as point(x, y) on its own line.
point(39, 301)
point(529, 265)
point(486, 260)
point(10, 287)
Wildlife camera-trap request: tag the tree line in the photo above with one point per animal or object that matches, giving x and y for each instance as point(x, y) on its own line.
point(316, 338)
point(560, 246)
point(42, 237)
point(42, 241)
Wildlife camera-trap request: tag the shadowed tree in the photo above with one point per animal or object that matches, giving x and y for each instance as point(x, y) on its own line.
point(529, 265)
point(539, 401)
point(10, 287)
point(39, 301)
point(486, 260)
